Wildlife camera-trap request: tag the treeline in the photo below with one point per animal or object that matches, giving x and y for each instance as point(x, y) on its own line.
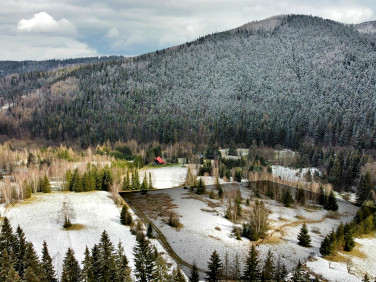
point(342, 239)
point(92, 179)
point(103, 262)
point(340, 168)
point(131, 181)
point(294, 196)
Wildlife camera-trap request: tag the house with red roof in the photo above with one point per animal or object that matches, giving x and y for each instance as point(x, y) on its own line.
point(158, 160)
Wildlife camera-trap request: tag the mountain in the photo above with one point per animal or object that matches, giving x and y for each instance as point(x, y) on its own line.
point(12, 67)
point(284, 80)
point(366, 27)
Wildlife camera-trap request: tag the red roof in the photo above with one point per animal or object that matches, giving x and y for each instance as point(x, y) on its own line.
point(159, 160)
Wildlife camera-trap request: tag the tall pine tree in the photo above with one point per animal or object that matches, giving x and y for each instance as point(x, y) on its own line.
point(303, 237)
point(48, 270)
point(252, 270)
point(144, 258)
point(71, 268)
point(214, 272)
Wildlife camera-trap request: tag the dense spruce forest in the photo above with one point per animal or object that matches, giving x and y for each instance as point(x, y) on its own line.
point(12, 67)
point(299, 79)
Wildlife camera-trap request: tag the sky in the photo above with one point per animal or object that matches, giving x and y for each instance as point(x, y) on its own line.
point(47, 29)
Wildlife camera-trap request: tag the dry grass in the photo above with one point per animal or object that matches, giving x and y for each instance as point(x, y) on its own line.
point(333, 215)
point(337, 258)
point(216, 238)
point(356, 252)
point(75, 227)
point(154, 206)
point(300, 217)
point(217, 228)
point(272, 240)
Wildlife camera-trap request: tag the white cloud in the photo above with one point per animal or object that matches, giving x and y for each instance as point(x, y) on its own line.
point(26, 47)
point(349, 15)
point(113, 32)
point(44, 23)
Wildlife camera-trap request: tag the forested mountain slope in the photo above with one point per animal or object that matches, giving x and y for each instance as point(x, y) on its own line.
point(300, 78)
point(11, 67)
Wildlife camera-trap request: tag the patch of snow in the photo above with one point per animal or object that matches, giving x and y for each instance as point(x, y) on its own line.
point(166, 177)
point(291, 174)
point(40, 218)
point(332, 271)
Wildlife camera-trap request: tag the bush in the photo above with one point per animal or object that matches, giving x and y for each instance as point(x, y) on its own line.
point(67, 222)
point(174, 220)
point(125, 216)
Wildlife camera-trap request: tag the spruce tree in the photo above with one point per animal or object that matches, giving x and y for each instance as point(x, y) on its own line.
point(96, 257)
point(107, 270)
point(364, 188)
point(348, 238)
point(287, 199)
point(220, 192)
point(87, 273)
point(332, 202)
point(71, 268)
point(280, 271)
point(177, 275)
point(149, 232)
point(161, 269)
point(303, 237)
point(150, 186)
point(267, 273)
point(122, 269)
point(325, 248)
point(31, 261)
point(200, 187)
point(31, 276)
point(252, 270)
point(125, 216)
point(322, 197)
point(144, 258)
point(6, 266)
point(214, 272)
point(144, 185)
point(77, 185)
point(48, 270)
point(13, 276)
point(7, 239)
point(20, 251)
point(46, 186)
point(194, 277)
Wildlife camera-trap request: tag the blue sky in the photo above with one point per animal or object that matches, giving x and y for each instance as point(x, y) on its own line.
point(45, 29)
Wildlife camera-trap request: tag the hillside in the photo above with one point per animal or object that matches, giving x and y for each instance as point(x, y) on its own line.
point(279, 81)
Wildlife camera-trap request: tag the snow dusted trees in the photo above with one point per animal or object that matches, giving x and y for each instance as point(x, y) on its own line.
point(364, 188)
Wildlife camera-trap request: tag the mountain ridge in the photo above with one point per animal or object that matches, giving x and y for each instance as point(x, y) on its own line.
point(306, 80)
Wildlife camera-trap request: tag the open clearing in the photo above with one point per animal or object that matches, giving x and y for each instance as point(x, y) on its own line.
point(205, 229)
point(166, 177)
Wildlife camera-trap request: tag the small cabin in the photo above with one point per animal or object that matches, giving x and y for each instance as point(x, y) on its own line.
point(158, 161)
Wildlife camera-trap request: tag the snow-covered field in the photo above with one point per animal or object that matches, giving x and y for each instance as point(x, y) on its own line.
point(166, 177)
point(40, 218)
point(205, 229)
point(291, 174)
point(362, 263)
